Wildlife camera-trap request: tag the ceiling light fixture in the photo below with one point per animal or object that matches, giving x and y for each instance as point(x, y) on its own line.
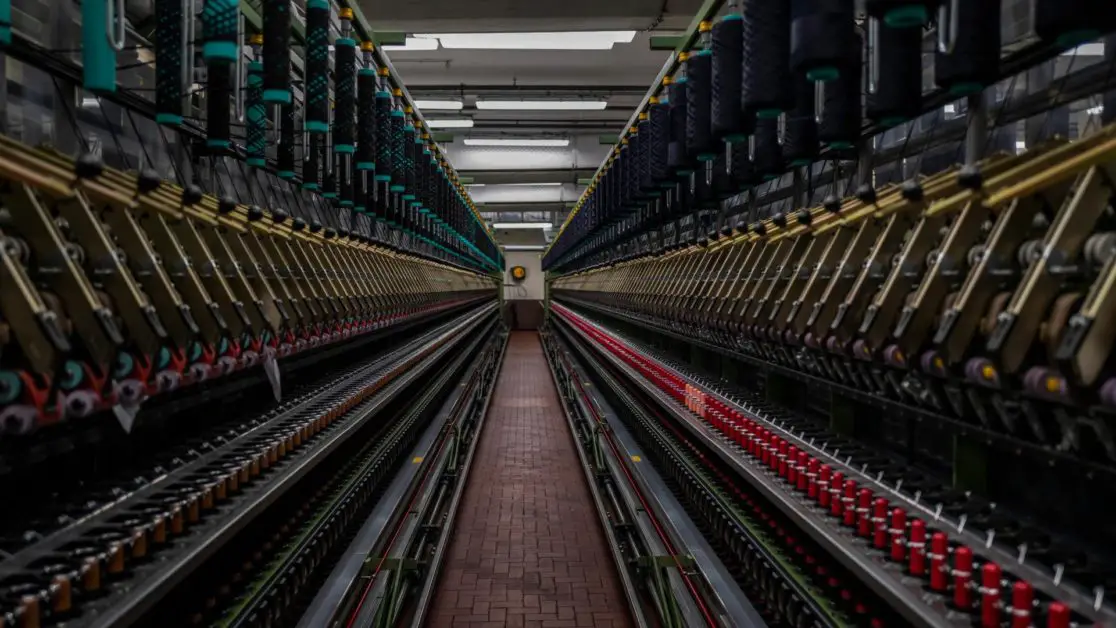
point(524, 247)
point(439, 105)
point(522, 225)
point(414, 44)
point(522, 143)
point(460, 123)
point(570, 40)
point(542, 105)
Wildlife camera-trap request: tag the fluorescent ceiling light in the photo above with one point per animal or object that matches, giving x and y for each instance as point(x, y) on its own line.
point(522, 225)
point(414, 44)
point(444, 105)
point(542, 105)
point(531, 185)
point(463, 123)
point(537, 143)
point(570, 40)
point(524, 247)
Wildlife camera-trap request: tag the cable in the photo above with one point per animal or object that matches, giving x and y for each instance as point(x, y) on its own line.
point(728, 77)
point(766, 56)
point(277, 51)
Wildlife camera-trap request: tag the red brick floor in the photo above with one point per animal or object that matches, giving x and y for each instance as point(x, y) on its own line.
point(528, 549)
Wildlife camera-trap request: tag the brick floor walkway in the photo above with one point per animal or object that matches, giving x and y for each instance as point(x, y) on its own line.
point(528, 549)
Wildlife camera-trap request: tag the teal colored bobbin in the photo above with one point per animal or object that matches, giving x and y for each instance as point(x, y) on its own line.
point(911, 16)
point(823, 74)
point(98, 57)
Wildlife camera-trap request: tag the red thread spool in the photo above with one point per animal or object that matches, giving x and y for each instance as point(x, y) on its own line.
point(1022, 600)
point(1058, 615)
point(792, 464)
point(990, 575)
point(864, 513)
point(849, 503)
point(963, 578)
point(917, 544)
point(773, 458)
point(784, 452)
point(836, 505)
point(823, 485)
point(804, 470)
point(812, 478)
point(879, 521)
point(898, 529)
point(939, 550)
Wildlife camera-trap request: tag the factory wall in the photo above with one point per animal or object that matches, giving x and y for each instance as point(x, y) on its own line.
point(524, 299)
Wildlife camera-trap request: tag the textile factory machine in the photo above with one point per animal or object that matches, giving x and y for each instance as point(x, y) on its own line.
point(239, 286)
point(847, 282)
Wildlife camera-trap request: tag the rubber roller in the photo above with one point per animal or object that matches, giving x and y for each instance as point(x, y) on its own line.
point(277, 50)
point(5, 22)
point(255, 111)
point(169, 39)
point(317, 66)
point(840, 119)
point(822, 33)
point(728, 60)
point(902, 13)
point(967, 56)
point(699, 93)
point(285, 154)
point(1069, 23)
point(800, 128)
point(895, 94)
point(102, 35)
point(766, 54)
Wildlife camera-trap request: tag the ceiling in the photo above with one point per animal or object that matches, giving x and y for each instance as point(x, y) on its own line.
point(619, 76)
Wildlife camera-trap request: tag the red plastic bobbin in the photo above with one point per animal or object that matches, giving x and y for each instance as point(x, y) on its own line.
point(1022, 600)
point(812, 478)
point(823, 485)
point(963, 578)
point(864, 513)
point(939, 551)
point(879, 523)
point(773, 455)
point(792, 464)
point(1058, 615)
point(990, 575)
point(848, 502)
point(836, 486)
point(917, 543)
point(898, 530)
point(804, 470)
point(784, 452)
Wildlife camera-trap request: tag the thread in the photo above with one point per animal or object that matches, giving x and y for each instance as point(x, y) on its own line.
point(898, 89)
point(728, 61)
point(317, 66)
point(840, 122)
point(277, 51)
point(385, 165)
point(657, 158)
point(366, 120)
point(972, 62)
point(822, 33)
point(676, 154)
point(168, 62)
point(901, 13)
point(344, 85)
point(800, 128)
point(699, 123)
point(742, 171)
point(766, 59)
